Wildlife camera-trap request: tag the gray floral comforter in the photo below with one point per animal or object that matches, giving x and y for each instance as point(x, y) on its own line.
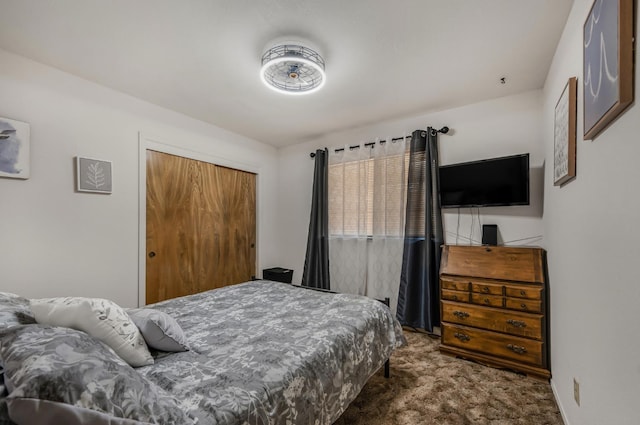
point(271, 353)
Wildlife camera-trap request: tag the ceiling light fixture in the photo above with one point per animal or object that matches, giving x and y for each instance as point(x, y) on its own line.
point(293, 69)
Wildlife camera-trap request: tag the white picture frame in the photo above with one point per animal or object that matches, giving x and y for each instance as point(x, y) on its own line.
point(564, 140)
point(94, 175)
point(14, 149)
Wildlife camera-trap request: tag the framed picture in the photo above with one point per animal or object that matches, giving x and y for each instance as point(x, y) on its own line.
point(93, 175)
point(14, 149)
point(608, 63)
point(564, 138)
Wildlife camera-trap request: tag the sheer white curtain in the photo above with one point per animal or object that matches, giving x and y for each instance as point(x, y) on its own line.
point(367, 200)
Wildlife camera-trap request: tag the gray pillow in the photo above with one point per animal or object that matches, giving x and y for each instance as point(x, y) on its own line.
point(159, 330)
point(14, 310)
point(62, 375)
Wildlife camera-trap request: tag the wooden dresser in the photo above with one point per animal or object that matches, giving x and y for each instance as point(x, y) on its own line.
point(493, 306)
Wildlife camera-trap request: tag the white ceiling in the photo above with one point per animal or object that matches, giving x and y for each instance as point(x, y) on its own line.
point(384, 59)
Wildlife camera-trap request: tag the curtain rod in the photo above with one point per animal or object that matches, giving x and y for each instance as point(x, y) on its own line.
point(443, 130)
point(313, 154)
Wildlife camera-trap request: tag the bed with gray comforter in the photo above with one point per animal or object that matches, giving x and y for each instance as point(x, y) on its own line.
point(260, 352)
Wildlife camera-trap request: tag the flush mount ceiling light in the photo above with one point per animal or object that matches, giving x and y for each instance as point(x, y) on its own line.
point(293, 69)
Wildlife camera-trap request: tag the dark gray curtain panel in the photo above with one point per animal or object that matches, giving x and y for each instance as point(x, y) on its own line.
point(316, 263)
point(418, 297)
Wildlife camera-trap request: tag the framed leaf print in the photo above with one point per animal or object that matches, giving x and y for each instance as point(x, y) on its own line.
point(93, 175)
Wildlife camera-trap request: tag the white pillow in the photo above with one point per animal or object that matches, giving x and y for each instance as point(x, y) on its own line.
point(100, 318)
point(159, 330)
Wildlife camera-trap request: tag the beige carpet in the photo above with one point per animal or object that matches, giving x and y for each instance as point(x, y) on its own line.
point(427, 387)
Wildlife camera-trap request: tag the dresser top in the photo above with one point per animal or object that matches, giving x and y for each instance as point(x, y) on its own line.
point(519, 264)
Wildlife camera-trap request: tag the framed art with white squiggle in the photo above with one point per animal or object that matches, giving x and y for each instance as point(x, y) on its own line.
point(564, 137)
point(93, 175)
point(608, 64)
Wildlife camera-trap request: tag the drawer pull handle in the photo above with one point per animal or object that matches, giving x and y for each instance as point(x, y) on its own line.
point(523, 293)
point(517, 348)
point(517, 323)
point(462, 337)
point(454, 297)
point(523, 306)
point(485, 289)
point(461, 314)
point(487, 301)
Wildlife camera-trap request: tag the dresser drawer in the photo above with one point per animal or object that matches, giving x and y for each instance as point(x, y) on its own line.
point(487, 300)
point(523, 305)
point(497, 344)
point(455, 284)
point(512, 322)
point(486, 288)
point(455, 295)
point(523, 292)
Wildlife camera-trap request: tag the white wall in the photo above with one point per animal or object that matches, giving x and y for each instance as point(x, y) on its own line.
point(591, 235)
point(504, 126)
point(55, 241)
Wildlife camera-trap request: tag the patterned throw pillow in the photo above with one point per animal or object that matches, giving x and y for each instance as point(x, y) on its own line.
point(100, 318)
point(159, 330)
point(61, 375)
point(14, 310)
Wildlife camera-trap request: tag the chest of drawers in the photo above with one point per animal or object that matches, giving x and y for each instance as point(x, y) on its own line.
point(494, 307)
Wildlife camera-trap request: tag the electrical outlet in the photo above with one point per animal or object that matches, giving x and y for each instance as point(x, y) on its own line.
point(576, 391)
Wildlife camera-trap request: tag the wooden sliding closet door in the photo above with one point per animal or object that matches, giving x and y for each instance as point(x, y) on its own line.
point(201, 226)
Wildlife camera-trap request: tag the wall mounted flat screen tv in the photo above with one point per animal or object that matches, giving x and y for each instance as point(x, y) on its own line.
point(485, 183)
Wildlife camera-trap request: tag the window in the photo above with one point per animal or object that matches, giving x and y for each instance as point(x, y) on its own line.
point(367, 196)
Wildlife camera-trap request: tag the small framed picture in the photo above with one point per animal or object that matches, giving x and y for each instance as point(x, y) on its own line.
point(93, 175)
point(564, 137)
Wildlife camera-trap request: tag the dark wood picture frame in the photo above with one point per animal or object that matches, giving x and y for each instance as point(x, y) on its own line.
point(564, 139)
point(607, 64)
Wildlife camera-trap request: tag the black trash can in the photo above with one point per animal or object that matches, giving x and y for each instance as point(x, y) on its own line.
point(278, 274)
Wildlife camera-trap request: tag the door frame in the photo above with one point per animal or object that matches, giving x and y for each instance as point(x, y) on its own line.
point(150, 142)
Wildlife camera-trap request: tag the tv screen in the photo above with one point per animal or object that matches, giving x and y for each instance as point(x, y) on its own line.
point(485, 183)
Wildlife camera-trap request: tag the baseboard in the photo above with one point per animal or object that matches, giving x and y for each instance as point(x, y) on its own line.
point(560, 407)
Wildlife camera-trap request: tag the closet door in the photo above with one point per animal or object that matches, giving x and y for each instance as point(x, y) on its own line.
point(201, 226)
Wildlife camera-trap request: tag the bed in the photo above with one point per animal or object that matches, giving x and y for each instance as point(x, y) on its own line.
point(260, 352)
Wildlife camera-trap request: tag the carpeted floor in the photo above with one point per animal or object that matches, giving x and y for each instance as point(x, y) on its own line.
point(427, 387)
